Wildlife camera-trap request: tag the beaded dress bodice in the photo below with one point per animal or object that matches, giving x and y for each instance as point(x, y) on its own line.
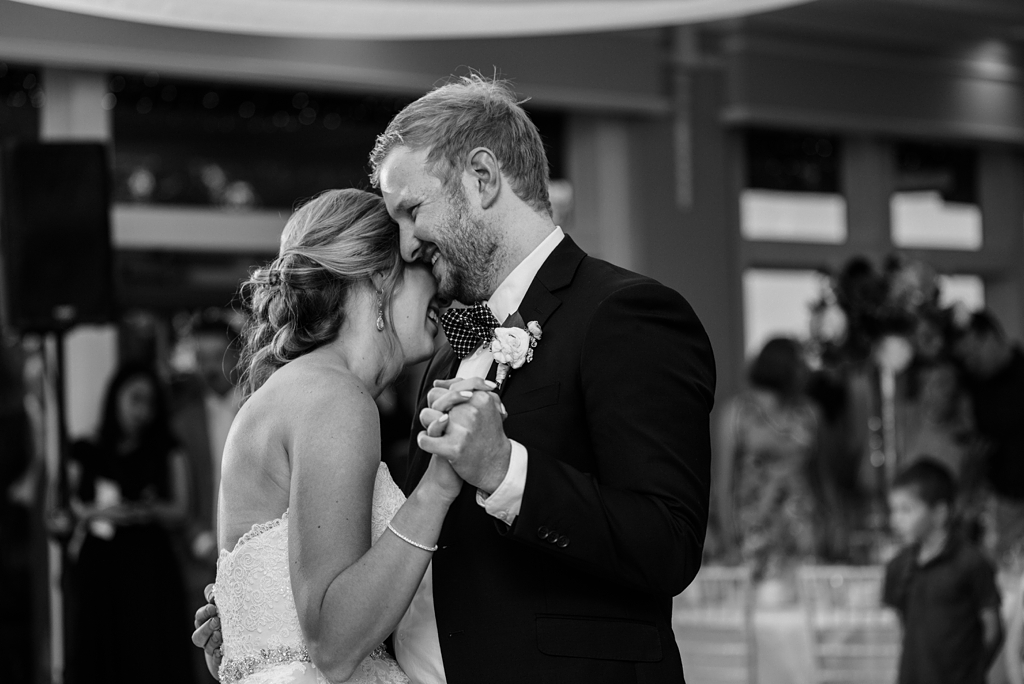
point(259, 622)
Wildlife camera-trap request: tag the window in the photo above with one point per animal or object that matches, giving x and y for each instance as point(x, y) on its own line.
point(185, 142)
point(792, 188)
point(777, 302)
point(936, 200)
point(967, 289)
point(194, 143)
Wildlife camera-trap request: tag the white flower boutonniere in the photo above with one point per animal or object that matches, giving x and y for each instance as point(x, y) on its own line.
point(512, 347)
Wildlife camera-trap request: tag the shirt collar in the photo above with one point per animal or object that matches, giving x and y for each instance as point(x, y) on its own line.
point(509, 294)
point(949, 549)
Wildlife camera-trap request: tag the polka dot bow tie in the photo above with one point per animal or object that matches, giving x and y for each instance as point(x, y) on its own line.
point(468, 328)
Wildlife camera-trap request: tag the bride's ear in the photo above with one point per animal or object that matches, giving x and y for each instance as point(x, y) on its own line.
point(377, 282)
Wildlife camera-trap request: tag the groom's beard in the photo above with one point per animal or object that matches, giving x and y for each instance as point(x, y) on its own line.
point(468, 254)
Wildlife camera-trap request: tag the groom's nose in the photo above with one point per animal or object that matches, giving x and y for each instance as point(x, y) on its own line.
point(411, 247)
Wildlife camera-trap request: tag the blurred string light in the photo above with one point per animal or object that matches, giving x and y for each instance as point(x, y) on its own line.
point(163, 127)
point(270, 112)
point(332, 121)
point(20, 88)
point(141, 184)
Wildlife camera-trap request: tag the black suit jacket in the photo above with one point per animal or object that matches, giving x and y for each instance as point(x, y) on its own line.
point(614, 412)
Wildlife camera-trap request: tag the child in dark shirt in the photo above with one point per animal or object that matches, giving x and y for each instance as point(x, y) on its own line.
point(943, 589)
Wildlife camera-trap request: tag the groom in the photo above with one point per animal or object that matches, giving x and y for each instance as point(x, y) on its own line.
point(587, 505)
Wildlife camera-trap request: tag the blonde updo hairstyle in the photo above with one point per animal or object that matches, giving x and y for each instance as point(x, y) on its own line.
point(297, 302)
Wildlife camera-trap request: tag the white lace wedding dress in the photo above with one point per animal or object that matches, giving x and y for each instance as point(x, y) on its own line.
point(260, 625)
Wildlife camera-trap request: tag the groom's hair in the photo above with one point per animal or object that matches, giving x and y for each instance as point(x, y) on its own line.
point(469, 112)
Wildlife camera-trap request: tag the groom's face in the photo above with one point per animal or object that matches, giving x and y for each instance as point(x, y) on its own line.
point(438, 227)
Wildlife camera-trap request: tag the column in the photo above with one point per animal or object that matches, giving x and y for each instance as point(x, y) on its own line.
point(599, 168)
point(74, 111)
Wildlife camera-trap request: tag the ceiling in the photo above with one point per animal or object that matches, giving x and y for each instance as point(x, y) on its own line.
point(406, 19)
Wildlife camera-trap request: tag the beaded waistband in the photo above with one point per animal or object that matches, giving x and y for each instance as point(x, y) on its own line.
point(235, 669)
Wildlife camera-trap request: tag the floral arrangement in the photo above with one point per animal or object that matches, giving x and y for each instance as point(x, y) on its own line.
point(889, 316)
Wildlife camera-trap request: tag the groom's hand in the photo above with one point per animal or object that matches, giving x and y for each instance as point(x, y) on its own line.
point(207, 635)
point(474, 440)
point(434, 420)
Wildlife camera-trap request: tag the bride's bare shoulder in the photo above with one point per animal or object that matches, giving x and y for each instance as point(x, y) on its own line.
point(314, 410)
point(308, 388)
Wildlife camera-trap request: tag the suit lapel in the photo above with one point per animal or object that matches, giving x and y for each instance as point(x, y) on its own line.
point(538, 304)
point(556, 273)
point(540, 301)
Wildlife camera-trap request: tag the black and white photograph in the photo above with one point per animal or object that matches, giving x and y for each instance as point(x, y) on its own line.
point(512, 341)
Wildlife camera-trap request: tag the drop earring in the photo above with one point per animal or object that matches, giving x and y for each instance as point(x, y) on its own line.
point(380, 311)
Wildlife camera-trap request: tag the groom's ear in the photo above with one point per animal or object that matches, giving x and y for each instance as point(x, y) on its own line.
point(485, 174)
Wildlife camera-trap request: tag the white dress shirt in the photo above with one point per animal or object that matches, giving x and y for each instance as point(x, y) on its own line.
point(417, 646)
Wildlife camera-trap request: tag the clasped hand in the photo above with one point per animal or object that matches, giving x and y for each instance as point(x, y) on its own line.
point(463, 424)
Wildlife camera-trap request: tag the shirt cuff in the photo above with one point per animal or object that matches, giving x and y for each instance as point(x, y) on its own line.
point(505, 501)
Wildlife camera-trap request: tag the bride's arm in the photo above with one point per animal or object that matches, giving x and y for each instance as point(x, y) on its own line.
point(350, 595)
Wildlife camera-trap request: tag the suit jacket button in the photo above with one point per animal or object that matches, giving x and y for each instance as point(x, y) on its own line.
point(543, 532)
point(563, 541)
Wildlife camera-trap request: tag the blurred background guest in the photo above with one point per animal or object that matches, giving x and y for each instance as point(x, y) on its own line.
point(204, 403)
point(995, 371)
point(129, 488)
point(16, 494)
point(767, 439)
point(937, 420)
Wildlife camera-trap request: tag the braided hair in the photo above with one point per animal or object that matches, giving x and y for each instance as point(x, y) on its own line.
point(297, 302)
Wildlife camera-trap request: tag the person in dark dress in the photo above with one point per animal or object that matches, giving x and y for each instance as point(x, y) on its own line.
point(995, 369)
point(129, 490)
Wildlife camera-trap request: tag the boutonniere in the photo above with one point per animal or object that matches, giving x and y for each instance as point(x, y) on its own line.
point(512, 347)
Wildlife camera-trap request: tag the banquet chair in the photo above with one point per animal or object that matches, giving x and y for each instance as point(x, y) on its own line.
point(713, 625)
point(854, 638)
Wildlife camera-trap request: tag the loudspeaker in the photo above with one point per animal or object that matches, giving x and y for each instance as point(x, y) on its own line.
point(55, 251)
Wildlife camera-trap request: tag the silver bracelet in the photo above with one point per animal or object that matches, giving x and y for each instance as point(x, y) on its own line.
point(410, 541)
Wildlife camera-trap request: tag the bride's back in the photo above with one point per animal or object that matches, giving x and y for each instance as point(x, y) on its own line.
point(256, 471)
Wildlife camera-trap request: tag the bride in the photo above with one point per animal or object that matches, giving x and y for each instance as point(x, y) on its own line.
point(320, 552)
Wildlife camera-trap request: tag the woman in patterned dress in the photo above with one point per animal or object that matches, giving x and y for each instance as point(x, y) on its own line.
point(767, 439)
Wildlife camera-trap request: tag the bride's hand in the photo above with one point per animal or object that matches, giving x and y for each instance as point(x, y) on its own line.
point(447, 394)
point(439, 471)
